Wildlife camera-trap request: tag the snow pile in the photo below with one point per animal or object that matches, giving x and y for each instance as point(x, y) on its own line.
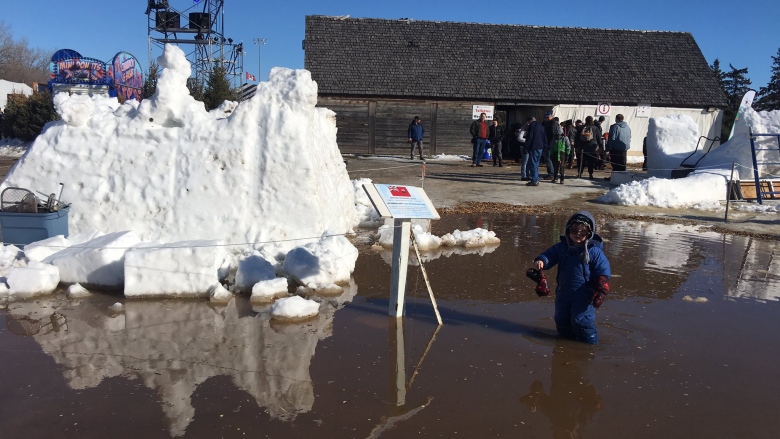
point(365, 213)
point(76, 291)
point(449, 158)
point(12, 148)
point(705, 187)
point(40, 250)
point(219, 295)
point(426, 241)
point(179, 269)
point(170, 171)
point(700, 190)
point(319, 265)
point(294, 308)
point(670, 140)
point(738, 148)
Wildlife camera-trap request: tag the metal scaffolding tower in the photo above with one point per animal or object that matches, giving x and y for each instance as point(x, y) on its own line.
point(199, 30)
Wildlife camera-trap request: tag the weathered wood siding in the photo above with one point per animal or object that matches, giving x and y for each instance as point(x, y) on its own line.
point(380, 126)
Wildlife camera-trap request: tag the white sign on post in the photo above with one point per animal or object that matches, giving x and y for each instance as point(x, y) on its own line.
point(643, 110)
point(476, 110)
point(603, 109)
point(402, 203)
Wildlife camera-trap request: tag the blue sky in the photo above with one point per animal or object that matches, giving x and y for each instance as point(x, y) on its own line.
point(743, 33)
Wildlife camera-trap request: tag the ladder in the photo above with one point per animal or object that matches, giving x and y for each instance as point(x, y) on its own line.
point(760, 192)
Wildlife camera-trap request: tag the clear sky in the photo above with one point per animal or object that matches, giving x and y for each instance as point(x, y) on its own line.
point(744, 33)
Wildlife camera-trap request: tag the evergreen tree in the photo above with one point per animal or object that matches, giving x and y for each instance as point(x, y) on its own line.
point(769, 96)
point(218, 88)
point(150, 82)
point(736, 84)
point(718, 73)
point(196, 88)
point(25, 116)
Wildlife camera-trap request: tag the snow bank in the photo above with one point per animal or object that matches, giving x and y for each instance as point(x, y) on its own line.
point(170, 171)
point(700, 190)
point(706, 186)
point(179, 269)
point(670, 140)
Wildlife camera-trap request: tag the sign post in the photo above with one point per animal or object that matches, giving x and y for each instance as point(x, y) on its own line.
point(402, 203)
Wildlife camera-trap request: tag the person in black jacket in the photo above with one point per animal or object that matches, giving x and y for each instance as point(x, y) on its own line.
point(496, 135)
point(416, 133)
point(535, 141)
point(590, 140)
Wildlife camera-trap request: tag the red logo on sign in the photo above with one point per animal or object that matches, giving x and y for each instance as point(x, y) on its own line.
point(399, 191)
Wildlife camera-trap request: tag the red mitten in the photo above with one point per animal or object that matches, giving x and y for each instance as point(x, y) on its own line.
point(601, 289)
point(541, 281)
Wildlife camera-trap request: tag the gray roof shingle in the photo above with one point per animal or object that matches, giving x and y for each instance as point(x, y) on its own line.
point(447, 60)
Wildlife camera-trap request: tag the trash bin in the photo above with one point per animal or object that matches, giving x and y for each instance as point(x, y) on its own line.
point(24, 228)
point(25, 219)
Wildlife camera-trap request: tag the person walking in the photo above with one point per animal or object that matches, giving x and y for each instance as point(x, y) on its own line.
point(416, 132)
point(590, 140)
point(520, 133)
point(583, 277)
point(479, 134)
point(618, 143)
point(535, 141)
point(553, 132)
point(496, 136)
point(559, 151)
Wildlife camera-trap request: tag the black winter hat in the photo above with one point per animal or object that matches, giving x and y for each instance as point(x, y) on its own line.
point(582, 217)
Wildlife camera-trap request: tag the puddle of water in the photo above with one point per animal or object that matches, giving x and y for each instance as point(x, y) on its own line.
point(665, 366)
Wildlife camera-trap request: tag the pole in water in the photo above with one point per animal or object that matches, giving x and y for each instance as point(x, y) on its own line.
point(427, 283)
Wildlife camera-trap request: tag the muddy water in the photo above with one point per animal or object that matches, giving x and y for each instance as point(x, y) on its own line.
point(688, 348)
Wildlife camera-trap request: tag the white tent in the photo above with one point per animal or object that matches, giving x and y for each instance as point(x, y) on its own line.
point(707, 120)
point(8, 87)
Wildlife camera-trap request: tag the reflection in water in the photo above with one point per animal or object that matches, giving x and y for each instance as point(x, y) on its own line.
point(172, 347)
point(573, 401)
point(754, 267)
point(430, 255)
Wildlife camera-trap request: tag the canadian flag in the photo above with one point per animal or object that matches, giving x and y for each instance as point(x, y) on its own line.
point(250, 77)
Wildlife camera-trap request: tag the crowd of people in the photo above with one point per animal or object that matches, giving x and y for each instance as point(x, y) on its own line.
point(557, 146)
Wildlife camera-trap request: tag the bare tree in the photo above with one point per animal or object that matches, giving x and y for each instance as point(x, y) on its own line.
point(19, 62)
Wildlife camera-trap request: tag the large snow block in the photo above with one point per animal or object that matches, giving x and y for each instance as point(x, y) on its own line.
point(178, 269)
point(35, 279)
point(99, 262)
point(24, 228)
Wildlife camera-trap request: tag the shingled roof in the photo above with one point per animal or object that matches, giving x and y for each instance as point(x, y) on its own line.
point(446, 60)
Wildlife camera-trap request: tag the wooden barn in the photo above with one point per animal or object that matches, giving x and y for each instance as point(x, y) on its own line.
point(378, 74)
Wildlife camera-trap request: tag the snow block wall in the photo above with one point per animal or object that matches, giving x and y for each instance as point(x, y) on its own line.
point(171, 171)
point(670, 140)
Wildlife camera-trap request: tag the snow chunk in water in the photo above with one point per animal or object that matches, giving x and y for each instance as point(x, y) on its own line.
point(178, 269)
point(96, 262)
point(268, 290)
point(219, 295)
point(470, 238)
point(252, 270)
point(76, 291)
point(294, 309)
point(36, 279)
point(329, 261)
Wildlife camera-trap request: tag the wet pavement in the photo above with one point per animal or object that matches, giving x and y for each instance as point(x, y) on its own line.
point(687, 349)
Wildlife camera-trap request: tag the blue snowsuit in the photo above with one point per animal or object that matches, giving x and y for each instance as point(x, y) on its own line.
point(574, 313)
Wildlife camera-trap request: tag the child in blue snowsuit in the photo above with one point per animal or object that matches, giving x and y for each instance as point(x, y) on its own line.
point(583, 277)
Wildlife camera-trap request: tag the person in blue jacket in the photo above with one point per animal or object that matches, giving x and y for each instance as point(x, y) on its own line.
point(416, 133)
point(535, 141)
point(583, 277)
